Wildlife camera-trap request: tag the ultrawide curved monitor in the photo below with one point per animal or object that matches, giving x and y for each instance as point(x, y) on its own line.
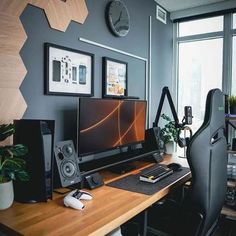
point(106, 124)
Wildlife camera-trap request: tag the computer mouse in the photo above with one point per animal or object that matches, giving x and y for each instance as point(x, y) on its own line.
point(175, 166)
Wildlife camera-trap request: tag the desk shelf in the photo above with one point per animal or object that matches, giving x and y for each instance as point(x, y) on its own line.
point(230, 122)
point(228, 212)
point(230, 117)
point(231, 152)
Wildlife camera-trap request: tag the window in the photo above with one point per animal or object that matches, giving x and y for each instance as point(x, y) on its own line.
point(200, 69)
point(200, 64)
point(234, 21)
point(233, 90)
point(201, 26)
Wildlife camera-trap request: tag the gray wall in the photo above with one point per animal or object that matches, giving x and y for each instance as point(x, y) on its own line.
point(62, 109)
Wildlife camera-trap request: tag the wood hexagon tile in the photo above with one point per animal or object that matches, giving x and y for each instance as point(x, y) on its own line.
point(12, 38)
point(12, 105)
point(12, 34)
point(39, 3)
point(79, 12)
point(14, 71)
point(13, 7)
point(59, 13)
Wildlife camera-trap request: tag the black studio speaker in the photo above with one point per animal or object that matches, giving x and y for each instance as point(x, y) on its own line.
point(67, 170)
point(38, 136)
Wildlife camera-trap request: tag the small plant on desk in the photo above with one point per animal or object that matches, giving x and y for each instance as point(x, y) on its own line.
point(12, 166)
point(168, 134)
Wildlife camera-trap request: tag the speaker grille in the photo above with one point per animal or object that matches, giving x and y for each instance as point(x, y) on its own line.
point(68, 169)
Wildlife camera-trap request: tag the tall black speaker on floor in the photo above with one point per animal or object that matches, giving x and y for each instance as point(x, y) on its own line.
point(38, 136)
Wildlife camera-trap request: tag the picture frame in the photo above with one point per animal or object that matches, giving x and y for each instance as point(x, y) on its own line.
point(68, 72)
point(115, 78)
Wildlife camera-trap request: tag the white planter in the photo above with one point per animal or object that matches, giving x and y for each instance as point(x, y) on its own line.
point(6, 195)
point(169, 147)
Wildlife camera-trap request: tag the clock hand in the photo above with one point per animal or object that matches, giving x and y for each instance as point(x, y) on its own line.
point(115, 23)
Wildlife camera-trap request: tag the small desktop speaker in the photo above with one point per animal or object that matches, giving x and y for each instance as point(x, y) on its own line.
point(67, 168)
point(38, 136)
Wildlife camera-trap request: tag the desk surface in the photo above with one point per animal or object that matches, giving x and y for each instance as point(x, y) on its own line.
point(109, 209)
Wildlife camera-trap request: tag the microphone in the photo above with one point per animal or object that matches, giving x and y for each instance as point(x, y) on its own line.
point(188, 115)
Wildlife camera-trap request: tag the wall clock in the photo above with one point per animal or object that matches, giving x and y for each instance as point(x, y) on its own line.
point(118, 18)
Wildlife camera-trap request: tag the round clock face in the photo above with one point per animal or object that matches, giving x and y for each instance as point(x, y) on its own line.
point(118, 18)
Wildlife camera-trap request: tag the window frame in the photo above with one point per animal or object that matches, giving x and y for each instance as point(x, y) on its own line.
point(227, 35)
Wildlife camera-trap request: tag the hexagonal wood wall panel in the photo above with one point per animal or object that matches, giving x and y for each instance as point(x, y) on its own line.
point(12, 37)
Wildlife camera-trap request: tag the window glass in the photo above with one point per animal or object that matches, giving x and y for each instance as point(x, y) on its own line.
point(233, 91)
point(200, 69)
point(201, 26)
point(234, 21)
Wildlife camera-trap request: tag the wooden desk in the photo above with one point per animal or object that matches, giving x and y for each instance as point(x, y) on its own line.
point(109, 209)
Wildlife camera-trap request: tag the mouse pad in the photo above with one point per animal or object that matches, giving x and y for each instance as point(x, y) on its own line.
point(133, 184)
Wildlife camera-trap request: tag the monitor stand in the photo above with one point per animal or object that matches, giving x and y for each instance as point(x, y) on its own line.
point(122, 168)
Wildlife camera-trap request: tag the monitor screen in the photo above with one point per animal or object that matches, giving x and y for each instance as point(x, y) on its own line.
point(106, 124)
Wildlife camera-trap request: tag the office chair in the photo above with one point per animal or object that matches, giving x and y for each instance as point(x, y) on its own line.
point(198, 213)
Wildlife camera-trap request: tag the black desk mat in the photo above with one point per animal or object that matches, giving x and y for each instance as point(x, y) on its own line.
point(133, 184)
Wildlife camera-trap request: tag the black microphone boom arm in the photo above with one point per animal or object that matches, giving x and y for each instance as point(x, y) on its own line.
point(166, 92)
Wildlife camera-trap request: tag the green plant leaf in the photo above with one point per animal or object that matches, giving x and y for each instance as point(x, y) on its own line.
point(12, 164)
point(11, 175)
point(18, 150)
point(232, 100)
point(6, 131)
point(22, 175)
point(169, 132)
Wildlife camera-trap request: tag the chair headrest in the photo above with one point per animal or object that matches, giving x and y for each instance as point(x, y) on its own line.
point(214, 105)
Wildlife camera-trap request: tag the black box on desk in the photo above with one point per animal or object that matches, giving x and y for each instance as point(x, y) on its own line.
point(152, 140)
point(38, 137)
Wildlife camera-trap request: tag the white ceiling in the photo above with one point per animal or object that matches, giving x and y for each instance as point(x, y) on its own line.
point(176, 5)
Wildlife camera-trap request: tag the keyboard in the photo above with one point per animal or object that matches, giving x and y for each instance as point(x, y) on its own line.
point(155, 173)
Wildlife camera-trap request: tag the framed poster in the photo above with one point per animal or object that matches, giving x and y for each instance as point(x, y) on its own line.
point(68, 71)
point(114, 78)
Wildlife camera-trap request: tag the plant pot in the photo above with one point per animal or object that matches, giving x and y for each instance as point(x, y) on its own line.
point(232, 110)
point(6, 195)
point(169, 147)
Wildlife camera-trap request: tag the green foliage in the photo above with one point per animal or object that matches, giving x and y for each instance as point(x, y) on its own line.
point(169, 132)
point(6, 130)
point(12, 165)
point(232, 100)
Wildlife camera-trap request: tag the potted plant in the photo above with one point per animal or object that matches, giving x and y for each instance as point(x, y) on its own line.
point(12, 166)
point(168, 134)
point(232, 104)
